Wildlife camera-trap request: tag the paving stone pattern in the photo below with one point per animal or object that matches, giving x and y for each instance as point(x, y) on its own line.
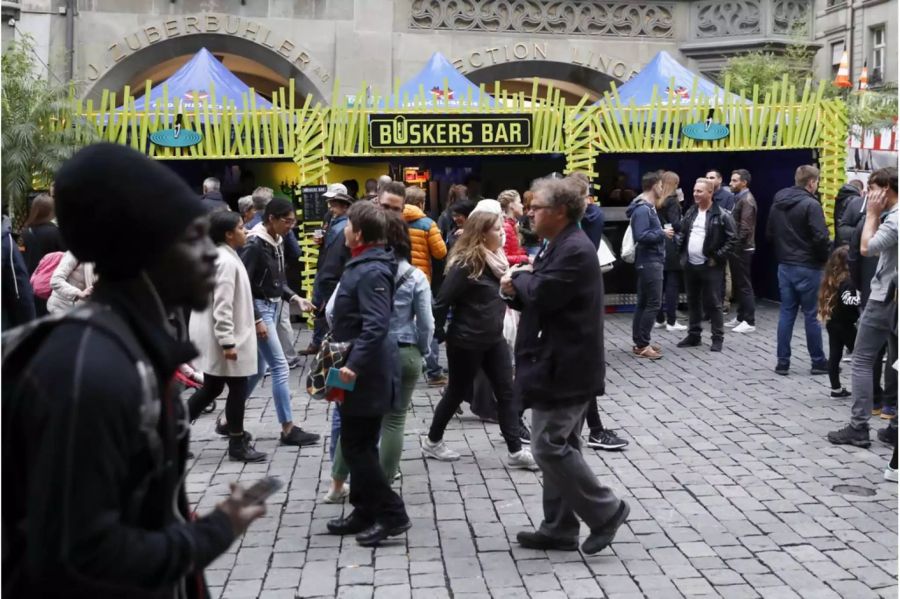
point(728, 475)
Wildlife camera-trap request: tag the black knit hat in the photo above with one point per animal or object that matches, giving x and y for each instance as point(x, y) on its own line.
point(119, 209)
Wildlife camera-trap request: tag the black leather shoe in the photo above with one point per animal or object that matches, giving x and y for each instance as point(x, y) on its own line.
point(716, 345)
point(538, 540)
point(350, 525)
point(378, 532)
point(689, 341)
point(600, 539)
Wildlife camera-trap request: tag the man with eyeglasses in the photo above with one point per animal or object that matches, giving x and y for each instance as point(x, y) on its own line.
point(263, 257)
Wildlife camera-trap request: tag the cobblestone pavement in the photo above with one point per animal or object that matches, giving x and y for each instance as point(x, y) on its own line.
point(730, 479)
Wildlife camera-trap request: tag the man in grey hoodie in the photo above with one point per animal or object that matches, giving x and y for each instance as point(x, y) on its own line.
point(649, 257)
point(878, 323)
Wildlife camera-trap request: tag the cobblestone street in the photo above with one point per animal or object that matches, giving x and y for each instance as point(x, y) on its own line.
point(729, 476)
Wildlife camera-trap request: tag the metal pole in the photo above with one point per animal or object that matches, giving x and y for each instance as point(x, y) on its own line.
point(70, 39)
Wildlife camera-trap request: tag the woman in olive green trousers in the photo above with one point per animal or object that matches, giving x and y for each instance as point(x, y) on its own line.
point(412, 324)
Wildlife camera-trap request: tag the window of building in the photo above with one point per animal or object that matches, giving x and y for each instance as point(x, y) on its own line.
point(837, 49)
point(879, 44)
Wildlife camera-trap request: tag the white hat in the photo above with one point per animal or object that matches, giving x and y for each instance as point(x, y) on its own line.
point(491, 206)
point(334, 189)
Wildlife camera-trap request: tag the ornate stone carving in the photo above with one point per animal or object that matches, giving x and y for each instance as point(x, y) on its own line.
point(569, 17)
point(721, 19)
point(790, 16)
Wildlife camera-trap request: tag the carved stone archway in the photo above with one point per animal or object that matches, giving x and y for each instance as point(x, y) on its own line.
point(591, 79)
point(123, 71)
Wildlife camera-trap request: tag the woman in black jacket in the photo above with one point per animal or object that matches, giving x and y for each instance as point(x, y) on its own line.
point(363, 305)
point(475, 340)
point(669, 210)
point(41, 236)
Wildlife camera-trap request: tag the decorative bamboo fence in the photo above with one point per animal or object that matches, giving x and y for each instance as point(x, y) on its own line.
point(309, 134)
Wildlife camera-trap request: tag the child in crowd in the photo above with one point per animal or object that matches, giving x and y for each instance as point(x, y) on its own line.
point(838, 310)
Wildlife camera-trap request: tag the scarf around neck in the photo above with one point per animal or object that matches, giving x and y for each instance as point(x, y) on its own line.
point(497, 262)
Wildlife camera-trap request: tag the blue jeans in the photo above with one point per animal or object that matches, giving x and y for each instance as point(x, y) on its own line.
point(432, 367)
point(799, 288)
point(270, 352)
point(335, 430)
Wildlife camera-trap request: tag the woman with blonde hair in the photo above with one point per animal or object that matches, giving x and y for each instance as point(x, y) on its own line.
point(668, 208)
point(511, 204)
point(474, 337)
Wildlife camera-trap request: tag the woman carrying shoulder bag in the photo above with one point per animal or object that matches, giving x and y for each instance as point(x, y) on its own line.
point(72, 282)
point(363, 305)
point(225, 335)
point(412, 326)
point(474, 338)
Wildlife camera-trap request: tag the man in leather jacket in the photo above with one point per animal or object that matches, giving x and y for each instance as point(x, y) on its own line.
point(706, 240)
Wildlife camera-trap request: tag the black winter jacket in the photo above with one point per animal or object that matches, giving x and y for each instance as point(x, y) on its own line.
point(212, 202)
point(39, 241)
point(333, 256)
point(847, 220)
point(720, 235)
point(796, 228)
point(844, 195)
point(94, 451)
point(478, 310)
point(670, 214)
point(559, 344)
point(362, 314)
point(264, 260)
point(862, 268)
point(18, 296)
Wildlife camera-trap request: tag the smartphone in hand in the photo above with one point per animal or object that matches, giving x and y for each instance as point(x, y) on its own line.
point(262, 490)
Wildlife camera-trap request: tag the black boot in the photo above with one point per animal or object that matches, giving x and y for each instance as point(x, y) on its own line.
point(239, 449)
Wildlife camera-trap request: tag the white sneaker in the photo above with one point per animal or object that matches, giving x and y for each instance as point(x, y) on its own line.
point(658, 325)
point(675, 327)
point(333, 496)
point(522, 459)
point(733, 322)
point(438, 451)
point(744, 328)
point(890, 474)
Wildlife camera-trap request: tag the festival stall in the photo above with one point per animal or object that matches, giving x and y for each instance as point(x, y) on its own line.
point(420, 122)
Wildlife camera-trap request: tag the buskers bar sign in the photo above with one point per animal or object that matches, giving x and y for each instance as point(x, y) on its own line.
point(425, 131)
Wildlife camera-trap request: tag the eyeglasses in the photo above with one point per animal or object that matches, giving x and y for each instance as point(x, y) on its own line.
point(535, 207)
point(288, 220)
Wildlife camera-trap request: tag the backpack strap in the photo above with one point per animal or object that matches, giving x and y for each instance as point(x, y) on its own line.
point(21, 343)
point(398, 283)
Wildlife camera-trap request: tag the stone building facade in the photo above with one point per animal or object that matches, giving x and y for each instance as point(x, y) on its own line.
point(581, 45)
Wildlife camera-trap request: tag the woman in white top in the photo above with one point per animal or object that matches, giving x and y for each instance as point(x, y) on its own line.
point(225, 336)
point(72, 282)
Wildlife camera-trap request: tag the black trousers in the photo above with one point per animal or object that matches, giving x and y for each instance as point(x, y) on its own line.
point(742, 286)
point(238, 391)
point(704, 294)
point(370, 492)
point(463, 364)
point(671, 282)
point(595, 425)
point(840, 335)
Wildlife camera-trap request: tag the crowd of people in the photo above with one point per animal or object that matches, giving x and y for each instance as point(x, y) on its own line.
point(512, 288)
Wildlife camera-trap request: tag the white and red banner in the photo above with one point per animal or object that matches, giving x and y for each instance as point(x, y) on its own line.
point(874, 139)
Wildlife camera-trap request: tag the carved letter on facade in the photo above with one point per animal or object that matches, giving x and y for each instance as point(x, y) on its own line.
point(520, 51)
point(459, 65)
point(232, 25)
point(472, 59)
point(286, 49)
point(539, 49)
point(265, 41)
point(93, 72)
point(302, 60)
point(250, 31)
point(133, 44)
point(117, 54)
point(171, 27)
point(212, 23)
point(190, 25)
point(569, 17)
point(153, 34)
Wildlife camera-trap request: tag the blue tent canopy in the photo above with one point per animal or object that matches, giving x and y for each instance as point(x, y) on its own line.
point(432, 78)
point(664, 72)
point(199, 74)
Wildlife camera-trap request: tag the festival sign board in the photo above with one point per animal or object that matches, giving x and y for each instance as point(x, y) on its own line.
point(411, 131)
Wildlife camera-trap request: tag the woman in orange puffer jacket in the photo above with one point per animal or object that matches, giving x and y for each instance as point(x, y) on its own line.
point(512, 210)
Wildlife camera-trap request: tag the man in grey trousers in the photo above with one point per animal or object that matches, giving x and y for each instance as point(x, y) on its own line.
point(560, 368)
point(878, 323)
